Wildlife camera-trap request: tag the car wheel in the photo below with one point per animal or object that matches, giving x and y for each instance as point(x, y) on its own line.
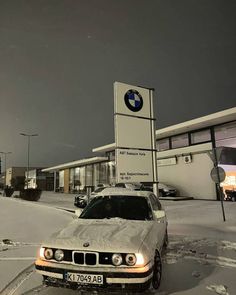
point(233, 199)
point(157, 271)
point(160, 194)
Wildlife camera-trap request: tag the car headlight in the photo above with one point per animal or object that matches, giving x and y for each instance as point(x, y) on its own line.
point(48, 253)
point(139, 259)
point(130, 259)
point(59, 255)
point(41, 252)
point(116, 259)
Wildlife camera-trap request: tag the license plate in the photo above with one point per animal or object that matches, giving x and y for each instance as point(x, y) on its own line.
point(81, 278)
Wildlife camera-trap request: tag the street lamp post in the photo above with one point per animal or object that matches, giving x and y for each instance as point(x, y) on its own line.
point(28, 155)
point(5, 164)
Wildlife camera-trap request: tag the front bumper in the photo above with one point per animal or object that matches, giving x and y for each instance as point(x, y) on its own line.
point(137, 279)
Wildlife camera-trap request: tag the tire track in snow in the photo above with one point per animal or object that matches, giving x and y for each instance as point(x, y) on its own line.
point(15, 284)
point(209, 259)
point(193, 249)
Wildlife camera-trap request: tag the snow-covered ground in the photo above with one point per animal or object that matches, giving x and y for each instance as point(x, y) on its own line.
point(23, 226)
point(201, 257)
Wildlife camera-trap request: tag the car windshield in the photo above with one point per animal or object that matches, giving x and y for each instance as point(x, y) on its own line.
point(125, 207)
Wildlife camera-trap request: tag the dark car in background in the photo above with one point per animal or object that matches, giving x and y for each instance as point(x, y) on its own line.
point(165, 190)
point(81, 201)
point(131, 186)
point(230, 195)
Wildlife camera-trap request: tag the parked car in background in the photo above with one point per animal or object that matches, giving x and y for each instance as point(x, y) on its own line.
point(81, 201)
point(230, 195)
point(146, 187)
point(115, 244)
point(131, 186)
point(165, 190)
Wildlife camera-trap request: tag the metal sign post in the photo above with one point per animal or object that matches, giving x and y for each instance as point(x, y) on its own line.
point(154, 153)
point(218, 176)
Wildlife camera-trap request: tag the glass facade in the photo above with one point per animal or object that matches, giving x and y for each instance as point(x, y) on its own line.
point(225, 135)
point(179, 141)
point(163, 144)
point(103, 173)
point(200, 136)
point(61, 180)
point(82, 178)
point(90, 176)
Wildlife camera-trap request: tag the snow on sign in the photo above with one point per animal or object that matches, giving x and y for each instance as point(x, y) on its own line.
point(134, 134)
point(134, 165)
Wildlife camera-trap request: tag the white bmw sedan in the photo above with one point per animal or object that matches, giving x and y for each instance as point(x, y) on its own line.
point(115, 244)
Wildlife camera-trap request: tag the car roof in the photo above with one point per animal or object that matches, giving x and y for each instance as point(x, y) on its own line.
point(119, 191)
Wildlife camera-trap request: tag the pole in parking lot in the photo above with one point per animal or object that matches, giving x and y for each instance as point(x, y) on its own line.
point(28, 156)
point(5, 163)
point(218, 176)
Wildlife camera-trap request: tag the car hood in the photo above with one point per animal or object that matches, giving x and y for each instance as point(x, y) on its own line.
point(113, 235)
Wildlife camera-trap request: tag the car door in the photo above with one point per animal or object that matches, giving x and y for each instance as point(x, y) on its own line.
point(160, 221)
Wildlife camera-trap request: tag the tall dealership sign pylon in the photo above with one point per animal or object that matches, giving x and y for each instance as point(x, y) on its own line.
point(135, 134)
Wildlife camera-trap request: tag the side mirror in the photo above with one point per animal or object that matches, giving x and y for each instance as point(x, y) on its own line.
point(160, 214)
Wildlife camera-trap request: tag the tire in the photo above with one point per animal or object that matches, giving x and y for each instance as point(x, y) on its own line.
point(157, 271)
point(161, 194)
point(233, 199)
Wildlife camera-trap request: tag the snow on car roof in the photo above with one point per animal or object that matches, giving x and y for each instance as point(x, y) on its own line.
point(114, 191)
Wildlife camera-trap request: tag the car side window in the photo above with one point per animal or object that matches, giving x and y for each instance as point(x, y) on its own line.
point(156, 205)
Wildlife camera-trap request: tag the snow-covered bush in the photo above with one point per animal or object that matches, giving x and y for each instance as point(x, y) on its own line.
point(30, 194)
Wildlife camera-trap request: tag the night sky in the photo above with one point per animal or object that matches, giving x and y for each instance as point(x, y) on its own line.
point(60, 58)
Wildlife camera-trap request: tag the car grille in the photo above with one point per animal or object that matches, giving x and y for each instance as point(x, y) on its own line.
point(89, 258)
point(83, 258)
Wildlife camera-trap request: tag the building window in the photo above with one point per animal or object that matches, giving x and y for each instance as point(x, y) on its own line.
point(61, 179)
point(103, 173)
point(89, 175)
point(163, 144)
point(179, 141)
point(201, 136)
point(112, 173)
point(82, 177)
point(111, 155)
point(71, 181)
point(225, 135)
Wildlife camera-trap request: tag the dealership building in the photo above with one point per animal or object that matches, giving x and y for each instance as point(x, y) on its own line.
point(184, 158)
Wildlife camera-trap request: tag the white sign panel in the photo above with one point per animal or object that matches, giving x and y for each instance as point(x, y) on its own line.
point(132, 100)
point(133, 132)
point(134, 165)
point(166, 162)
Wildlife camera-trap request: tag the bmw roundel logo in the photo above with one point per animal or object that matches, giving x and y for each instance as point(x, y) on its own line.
point(133, 100)
point(86, 244)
